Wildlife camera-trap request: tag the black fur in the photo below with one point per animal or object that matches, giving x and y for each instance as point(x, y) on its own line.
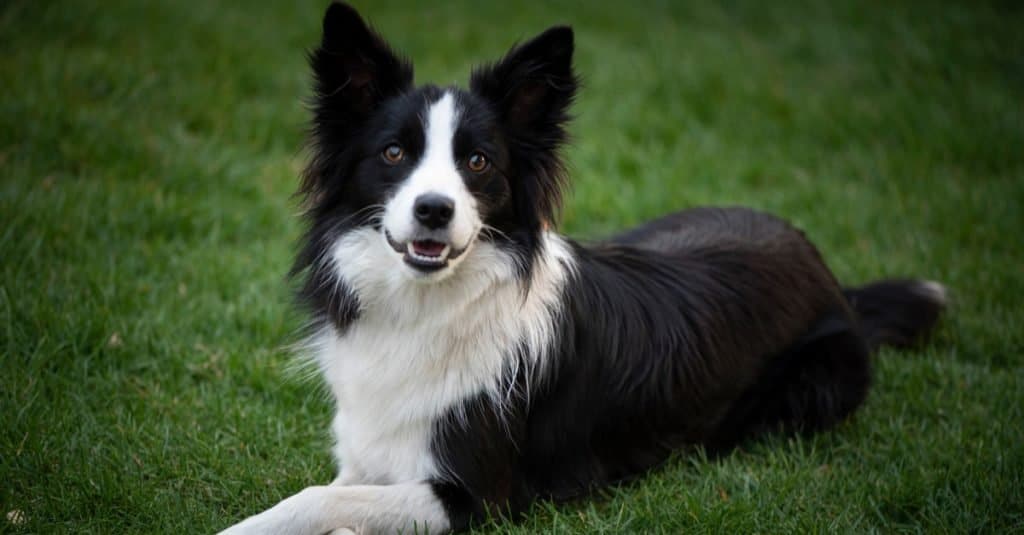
point(702, 328)
point(705, 327)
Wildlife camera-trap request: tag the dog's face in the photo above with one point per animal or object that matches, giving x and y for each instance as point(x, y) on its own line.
point(440, 166)
point(435, 170)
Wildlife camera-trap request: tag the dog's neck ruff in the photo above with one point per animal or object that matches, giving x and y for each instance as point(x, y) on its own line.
point(417, 349)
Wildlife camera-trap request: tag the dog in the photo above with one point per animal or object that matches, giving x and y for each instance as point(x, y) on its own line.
point(481, 361)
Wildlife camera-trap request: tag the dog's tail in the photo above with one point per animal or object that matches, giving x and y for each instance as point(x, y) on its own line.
point(897, 313)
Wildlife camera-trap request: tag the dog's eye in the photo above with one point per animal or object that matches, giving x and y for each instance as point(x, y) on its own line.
point(477, 162)
point(393, 153)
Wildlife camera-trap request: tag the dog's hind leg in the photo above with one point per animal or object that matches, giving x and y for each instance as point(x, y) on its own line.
point(812, 386)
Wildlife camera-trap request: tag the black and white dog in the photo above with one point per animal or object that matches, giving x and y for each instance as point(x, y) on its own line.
point(480, 361)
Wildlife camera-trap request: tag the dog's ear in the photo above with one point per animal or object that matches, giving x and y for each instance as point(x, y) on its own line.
point(533, 85)
point(354, 68)
point(532, 88)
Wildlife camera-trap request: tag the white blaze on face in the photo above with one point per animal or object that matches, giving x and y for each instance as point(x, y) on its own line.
point(436, 172)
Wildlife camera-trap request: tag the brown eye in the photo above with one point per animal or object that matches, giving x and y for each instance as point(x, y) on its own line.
point(393, 153)
point(477, 162)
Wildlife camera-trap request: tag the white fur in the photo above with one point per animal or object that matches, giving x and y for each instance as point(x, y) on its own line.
point(436, 172)
point(934, 291)
point(367, 509)
point(417, 349)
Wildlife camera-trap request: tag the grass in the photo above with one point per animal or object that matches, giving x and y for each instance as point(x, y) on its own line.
point(148, 150)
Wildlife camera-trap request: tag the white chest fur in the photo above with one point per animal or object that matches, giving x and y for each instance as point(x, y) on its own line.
point(418, 348)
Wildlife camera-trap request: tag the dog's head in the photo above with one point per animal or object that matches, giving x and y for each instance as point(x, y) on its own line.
point(436, 171)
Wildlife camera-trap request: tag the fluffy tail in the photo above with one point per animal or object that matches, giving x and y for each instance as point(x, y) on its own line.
point(898, 313)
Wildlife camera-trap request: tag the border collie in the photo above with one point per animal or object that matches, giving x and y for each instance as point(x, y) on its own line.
point(480, 361)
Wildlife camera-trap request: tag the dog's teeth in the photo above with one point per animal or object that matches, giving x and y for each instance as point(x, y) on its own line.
point(439, 258)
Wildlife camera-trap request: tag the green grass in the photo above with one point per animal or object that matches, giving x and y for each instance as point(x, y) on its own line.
point(148, 151)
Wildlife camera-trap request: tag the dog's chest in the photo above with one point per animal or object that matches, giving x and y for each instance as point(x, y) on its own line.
point(392, 383)
point(417, 350)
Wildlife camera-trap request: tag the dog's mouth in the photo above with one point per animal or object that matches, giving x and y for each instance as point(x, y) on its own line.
point(425, 255)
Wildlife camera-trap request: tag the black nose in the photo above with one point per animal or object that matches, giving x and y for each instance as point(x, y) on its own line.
point(433, 210)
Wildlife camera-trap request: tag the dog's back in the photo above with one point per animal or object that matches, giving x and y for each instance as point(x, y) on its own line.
point(783, 291)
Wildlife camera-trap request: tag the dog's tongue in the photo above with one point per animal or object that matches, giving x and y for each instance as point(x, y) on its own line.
point(428, 248)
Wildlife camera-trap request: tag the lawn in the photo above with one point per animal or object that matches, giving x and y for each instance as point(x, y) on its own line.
point(148, 151)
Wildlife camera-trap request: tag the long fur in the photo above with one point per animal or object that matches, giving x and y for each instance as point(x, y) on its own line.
point(516, 364)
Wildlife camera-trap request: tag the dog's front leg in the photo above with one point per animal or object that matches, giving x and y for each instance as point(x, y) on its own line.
point(365, 509)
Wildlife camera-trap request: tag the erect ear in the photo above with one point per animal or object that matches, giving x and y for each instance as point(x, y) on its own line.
point(533, 85)
point(532, 88)
point(354, 67)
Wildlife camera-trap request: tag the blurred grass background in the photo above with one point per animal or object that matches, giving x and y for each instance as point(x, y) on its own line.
point(148, 150)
